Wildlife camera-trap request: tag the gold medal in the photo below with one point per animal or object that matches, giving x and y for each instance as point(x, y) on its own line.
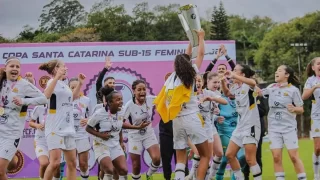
point(1, 111)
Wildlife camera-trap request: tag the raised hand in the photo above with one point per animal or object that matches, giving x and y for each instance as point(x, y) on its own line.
point(108, 62)
point(81, 78)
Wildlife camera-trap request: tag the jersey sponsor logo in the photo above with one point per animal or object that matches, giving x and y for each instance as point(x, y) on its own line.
point(4, 119)
point(18, 161)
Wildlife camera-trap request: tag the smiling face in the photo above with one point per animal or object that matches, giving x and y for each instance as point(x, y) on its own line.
point(109, 83)
point(116, 102)
point(238, 71)
point(222, 68)
point(199, 82)
point(213, 83)
point(316, 66)
point(12, 69)
point(140, 92)
point(281, 75)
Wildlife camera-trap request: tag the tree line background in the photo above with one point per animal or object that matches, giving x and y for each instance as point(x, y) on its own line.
point(260, 42)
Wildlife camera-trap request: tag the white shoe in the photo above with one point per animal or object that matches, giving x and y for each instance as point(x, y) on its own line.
point(189, 177)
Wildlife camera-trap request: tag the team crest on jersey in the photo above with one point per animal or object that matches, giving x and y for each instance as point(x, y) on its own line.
point(285, 94)
point(15, 90)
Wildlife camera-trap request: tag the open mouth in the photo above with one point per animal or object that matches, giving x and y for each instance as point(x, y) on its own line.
point(14, 73)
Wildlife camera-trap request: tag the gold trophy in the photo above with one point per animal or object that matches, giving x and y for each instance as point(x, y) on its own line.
point(190, 20)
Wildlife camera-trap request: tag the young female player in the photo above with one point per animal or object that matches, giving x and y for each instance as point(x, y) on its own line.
point(311, 89)
point(187, 120)
point(59, 125)
point(16, 94)
point(109, 122)
point(208, 103)
point(81, 112)
point(284, 103)
point(247, 132)
point(138, 110)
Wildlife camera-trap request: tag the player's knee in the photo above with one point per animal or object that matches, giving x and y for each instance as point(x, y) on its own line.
point(83, 165)
point(156, 160)
point(44, 163)
point(277, 159)
point(136, 165)
point(72, 164)
point(230, 156)
point(55, 164)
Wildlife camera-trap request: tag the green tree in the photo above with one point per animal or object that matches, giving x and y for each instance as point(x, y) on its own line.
point(167, 26)
point(219, 23)
point(47, 37)
point(142, 23)
point(28, 34)
point(275, 48)
point(111, 23)
point(248, 34)
point(80, 35)
point(61, 15)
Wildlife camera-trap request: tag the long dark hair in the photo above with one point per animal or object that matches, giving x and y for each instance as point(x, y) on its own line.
point(107, 93)
point(247, 71)
point(184, 70)
point(309, 70)
point(293, 79)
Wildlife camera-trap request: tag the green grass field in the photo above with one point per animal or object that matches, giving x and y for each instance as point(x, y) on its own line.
point(306, 150)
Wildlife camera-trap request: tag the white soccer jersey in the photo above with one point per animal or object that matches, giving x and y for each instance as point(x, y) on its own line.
point(207, 107)
point(137, 114)
point(192, 106)
point(315, 110)
point(247, 108)
point(60, 111)
point(96, 107)
point(13, 119)
point(104, 121)
point(279, 118)
point(39, 114)
point(81, 110)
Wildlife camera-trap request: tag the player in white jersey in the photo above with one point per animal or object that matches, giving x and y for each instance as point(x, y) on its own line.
point(138, 110)
point(248, 129)
point(208, 103)
point(213, 84)
point(59, 125)
point(187, 120)
point(284, 103)
point(81, 111)
point(311, 89)
point(16, 94)
point(106, 124)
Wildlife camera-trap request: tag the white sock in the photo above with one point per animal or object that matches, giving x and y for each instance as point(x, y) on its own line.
point(136, 177)
point(40, 178)
point(215, 165)
point(123, 177)
point(302, 176)
point(195, 164)
point(54, 178)
point(279, 175)
point(84, 175)
point(153, 168)
point(179, 172)
point(256, 172)
point(238, 174)
point(107, 177)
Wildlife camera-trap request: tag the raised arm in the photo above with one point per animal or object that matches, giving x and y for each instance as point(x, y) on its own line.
point(201, 49)
point(230, 61)
point(53, 82)
point(189, 49)
point(226, 91)
point(251, 82)
point(76, 91)
point(33, 96)
point(107, 66)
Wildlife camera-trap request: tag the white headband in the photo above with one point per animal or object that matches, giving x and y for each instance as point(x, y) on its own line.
point(7, 61)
